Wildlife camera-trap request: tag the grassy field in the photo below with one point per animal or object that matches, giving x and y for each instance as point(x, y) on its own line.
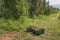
point(51, 24)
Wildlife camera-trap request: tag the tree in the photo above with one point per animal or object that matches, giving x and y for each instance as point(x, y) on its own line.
point(23, 7)
point(37, 7)
point(10, 9)
point(47, 9)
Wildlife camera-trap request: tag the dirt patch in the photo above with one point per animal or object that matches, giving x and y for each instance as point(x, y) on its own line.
point(8, 36)
point(19, 36)
point(28, 36)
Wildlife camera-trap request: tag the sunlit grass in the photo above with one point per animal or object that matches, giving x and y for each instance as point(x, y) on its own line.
point(50, 23)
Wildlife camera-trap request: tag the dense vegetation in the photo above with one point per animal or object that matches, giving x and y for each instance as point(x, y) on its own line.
point(16, 15)
point(16, 8)
point(22, 11)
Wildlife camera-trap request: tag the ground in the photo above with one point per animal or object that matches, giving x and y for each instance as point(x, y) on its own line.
point(52, 30)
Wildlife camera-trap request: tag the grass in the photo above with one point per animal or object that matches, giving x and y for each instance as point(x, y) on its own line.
point(51, 24)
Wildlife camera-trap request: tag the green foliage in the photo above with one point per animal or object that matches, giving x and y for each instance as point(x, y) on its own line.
point(37, 7)
point(11, 25)
point(22, 10)
point(23, 7)
point(9, 9)
point(16, 8)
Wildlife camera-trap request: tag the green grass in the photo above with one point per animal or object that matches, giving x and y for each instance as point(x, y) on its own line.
point(51, 24)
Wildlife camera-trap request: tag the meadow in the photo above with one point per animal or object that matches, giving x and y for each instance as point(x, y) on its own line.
point(50, 23)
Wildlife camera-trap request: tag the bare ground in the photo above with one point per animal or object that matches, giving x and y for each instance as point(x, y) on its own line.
point(28, 36)
point(19, 36)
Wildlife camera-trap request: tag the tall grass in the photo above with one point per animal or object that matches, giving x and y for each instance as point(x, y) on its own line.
point(50, 23)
